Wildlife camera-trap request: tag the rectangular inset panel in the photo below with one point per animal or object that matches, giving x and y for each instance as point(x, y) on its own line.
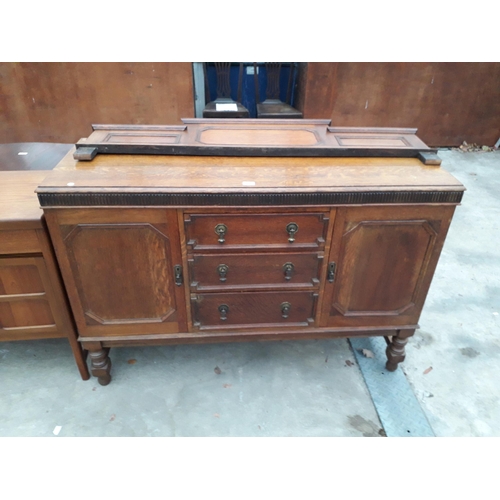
point(375, 142)
point(19, 276)
point(257, 137)
point(150, 138)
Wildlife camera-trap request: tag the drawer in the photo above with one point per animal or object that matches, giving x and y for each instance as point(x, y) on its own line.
point(254, 270)
point(21, 275)
point(248, 231)
point(19, 242)
point(249, 310)
point(25, 312)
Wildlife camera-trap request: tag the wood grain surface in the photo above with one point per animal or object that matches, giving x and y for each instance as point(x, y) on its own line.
point(58, 102)
point(18, 201)
point(135, 173)
point(447, 102)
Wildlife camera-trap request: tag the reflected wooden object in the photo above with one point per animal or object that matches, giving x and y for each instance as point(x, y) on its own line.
point(224, 106)
point(32, 155)
point(272, 106)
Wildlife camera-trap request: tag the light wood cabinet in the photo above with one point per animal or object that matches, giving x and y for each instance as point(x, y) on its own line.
point(33, 302)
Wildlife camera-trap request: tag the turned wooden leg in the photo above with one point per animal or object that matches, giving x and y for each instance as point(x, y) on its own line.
point(396, 349)
point(101, 365)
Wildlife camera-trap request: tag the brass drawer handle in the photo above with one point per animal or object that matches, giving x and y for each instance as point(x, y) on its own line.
point(221, 230)
point(222, 269)
point(288, 269)
point(285, 309)
point(223, 309)
point(292, 229)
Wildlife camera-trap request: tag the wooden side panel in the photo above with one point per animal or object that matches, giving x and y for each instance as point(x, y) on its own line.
point(385, 258)
point(120, 272)
point(447, 102)
point(58, 102)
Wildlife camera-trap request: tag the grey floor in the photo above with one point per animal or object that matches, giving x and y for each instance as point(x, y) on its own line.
point(302, 388)
point(263, 389)
point(459, 334)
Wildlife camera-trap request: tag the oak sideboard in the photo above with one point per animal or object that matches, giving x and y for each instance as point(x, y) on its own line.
point(247, 230)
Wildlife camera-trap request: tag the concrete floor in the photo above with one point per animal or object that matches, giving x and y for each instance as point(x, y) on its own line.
point(459, 334)
point(290, 388)
point(264, 389)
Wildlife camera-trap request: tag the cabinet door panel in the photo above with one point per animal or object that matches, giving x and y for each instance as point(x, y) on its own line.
point(122, 274)
point(385, 258)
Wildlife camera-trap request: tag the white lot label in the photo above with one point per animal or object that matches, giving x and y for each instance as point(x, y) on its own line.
point(248, 183)
point(226, 107)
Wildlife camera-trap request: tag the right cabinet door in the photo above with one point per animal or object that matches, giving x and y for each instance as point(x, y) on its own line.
point(381, 264)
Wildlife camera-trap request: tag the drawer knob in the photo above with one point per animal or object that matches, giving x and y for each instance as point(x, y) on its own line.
point(221, 230)
point(292, 230)
point(223, 309)
point(285, 309)
point(222, 269)
point(288, 269)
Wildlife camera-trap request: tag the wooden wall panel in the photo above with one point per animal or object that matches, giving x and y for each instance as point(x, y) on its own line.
point(58, 102)
point(447, 102)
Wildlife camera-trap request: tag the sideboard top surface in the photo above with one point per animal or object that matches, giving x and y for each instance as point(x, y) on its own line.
point(217, 174)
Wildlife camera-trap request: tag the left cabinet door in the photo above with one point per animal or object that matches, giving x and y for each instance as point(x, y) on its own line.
point(119, 267)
